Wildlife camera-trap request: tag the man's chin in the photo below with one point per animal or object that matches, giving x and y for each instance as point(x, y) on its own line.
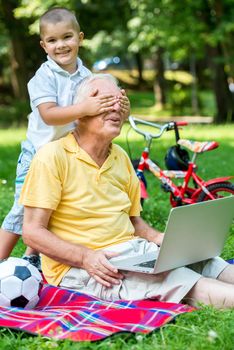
point(115, 132)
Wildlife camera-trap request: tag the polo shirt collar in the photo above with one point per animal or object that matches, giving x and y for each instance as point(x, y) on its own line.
point(55, 67)
point(70, 145)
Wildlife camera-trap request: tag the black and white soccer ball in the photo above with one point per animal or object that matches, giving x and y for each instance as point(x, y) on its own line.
point(20, 283)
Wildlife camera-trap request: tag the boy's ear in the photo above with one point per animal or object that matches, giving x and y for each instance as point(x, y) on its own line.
point(43, 45)
point(81, 37)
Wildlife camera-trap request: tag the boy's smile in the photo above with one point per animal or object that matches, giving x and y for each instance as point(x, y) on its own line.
point(61, 42)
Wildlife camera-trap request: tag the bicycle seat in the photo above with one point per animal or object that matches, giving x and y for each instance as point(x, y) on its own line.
point(197, 146)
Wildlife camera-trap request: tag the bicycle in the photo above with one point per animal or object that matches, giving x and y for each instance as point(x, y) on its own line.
point(179, 166)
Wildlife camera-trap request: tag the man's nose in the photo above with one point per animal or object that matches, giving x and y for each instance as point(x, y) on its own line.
point(116, 106)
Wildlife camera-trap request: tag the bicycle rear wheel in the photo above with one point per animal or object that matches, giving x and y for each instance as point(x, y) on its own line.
point(218, 190)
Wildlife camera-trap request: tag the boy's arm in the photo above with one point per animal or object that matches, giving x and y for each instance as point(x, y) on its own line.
point(52, 114)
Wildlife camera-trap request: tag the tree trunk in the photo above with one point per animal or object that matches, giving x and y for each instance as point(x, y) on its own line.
point(159, 83)
point(16, 30)
point(194, 98)
point(216, 56)
point(224, 97)
point(139, 64)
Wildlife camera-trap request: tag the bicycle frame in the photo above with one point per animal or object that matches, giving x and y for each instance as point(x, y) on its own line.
point(166, 176)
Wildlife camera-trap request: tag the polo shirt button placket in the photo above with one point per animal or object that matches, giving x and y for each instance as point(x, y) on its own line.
point(72, 88)
point(97, 177)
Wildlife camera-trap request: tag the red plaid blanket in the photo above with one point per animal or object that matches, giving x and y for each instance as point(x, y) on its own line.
point(63, 313)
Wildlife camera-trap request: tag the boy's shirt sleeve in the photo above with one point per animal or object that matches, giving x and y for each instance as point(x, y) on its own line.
point(42, 87)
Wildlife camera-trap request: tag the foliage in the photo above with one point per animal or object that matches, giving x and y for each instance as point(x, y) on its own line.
point(15, 114)
point(198, 35)
point(181, 26)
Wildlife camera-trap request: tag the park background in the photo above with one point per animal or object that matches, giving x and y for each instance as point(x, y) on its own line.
point(174, 58)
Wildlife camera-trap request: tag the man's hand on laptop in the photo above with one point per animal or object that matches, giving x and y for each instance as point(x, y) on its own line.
point(157, 237)
point(97, 265)
point(143, 230)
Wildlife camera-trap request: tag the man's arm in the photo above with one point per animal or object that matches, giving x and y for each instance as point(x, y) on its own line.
point(142, 229)
point(37, 236)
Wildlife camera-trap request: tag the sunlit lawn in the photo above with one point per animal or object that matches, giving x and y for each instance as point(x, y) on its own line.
point(203, 329)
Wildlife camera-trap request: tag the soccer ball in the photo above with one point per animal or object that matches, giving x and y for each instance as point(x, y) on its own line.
point(20, 283)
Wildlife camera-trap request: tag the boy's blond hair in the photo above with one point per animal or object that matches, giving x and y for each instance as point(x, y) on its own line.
point(56, 15)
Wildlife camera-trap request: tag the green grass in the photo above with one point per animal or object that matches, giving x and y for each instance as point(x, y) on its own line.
point(204, 329)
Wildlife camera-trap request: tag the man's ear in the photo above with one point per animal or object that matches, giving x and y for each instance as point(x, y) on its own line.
point(43, 45)
point(93, 92)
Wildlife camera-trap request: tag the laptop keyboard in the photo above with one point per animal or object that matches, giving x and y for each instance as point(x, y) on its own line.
point(149, 263)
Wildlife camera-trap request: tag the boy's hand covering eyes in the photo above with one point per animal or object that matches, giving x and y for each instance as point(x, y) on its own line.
point(97, 104)
point(124, 104)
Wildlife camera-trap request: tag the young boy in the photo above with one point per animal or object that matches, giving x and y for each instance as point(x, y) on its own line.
point(51, 92)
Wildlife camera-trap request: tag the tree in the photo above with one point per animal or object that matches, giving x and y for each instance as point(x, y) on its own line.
point(218, 16)
point(16, 51)
point(22, 48)
point(203, 27)
point(186, 30)
point(143, 38)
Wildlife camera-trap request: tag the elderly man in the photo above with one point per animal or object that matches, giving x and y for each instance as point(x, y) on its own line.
point(82, 207)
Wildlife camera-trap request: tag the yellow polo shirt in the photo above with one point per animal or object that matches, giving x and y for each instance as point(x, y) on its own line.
point(91, 205)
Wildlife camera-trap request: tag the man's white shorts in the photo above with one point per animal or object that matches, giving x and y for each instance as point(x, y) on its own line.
point(169, 286)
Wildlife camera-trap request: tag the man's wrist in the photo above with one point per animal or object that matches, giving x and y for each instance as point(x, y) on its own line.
point(83, 255)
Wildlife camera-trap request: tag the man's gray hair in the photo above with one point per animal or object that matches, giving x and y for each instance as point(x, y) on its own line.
point(85, 87)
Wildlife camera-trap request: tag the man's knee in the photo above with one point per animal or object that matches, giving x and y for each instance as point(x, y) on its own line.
point(227, 275)
point(210, 291)
point(199, 291)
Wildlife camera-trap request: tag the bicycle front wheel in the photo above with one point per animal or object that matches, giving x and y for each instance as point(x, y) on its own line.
point(218, 190)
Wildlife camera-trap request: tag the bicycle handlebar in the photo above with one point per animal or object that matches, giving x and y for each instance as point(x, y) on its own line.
point(181, 123)
point(165, 127)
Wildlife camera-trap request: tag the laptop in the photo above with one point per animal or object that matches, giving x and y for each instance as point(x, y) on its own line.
point(193, 233)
